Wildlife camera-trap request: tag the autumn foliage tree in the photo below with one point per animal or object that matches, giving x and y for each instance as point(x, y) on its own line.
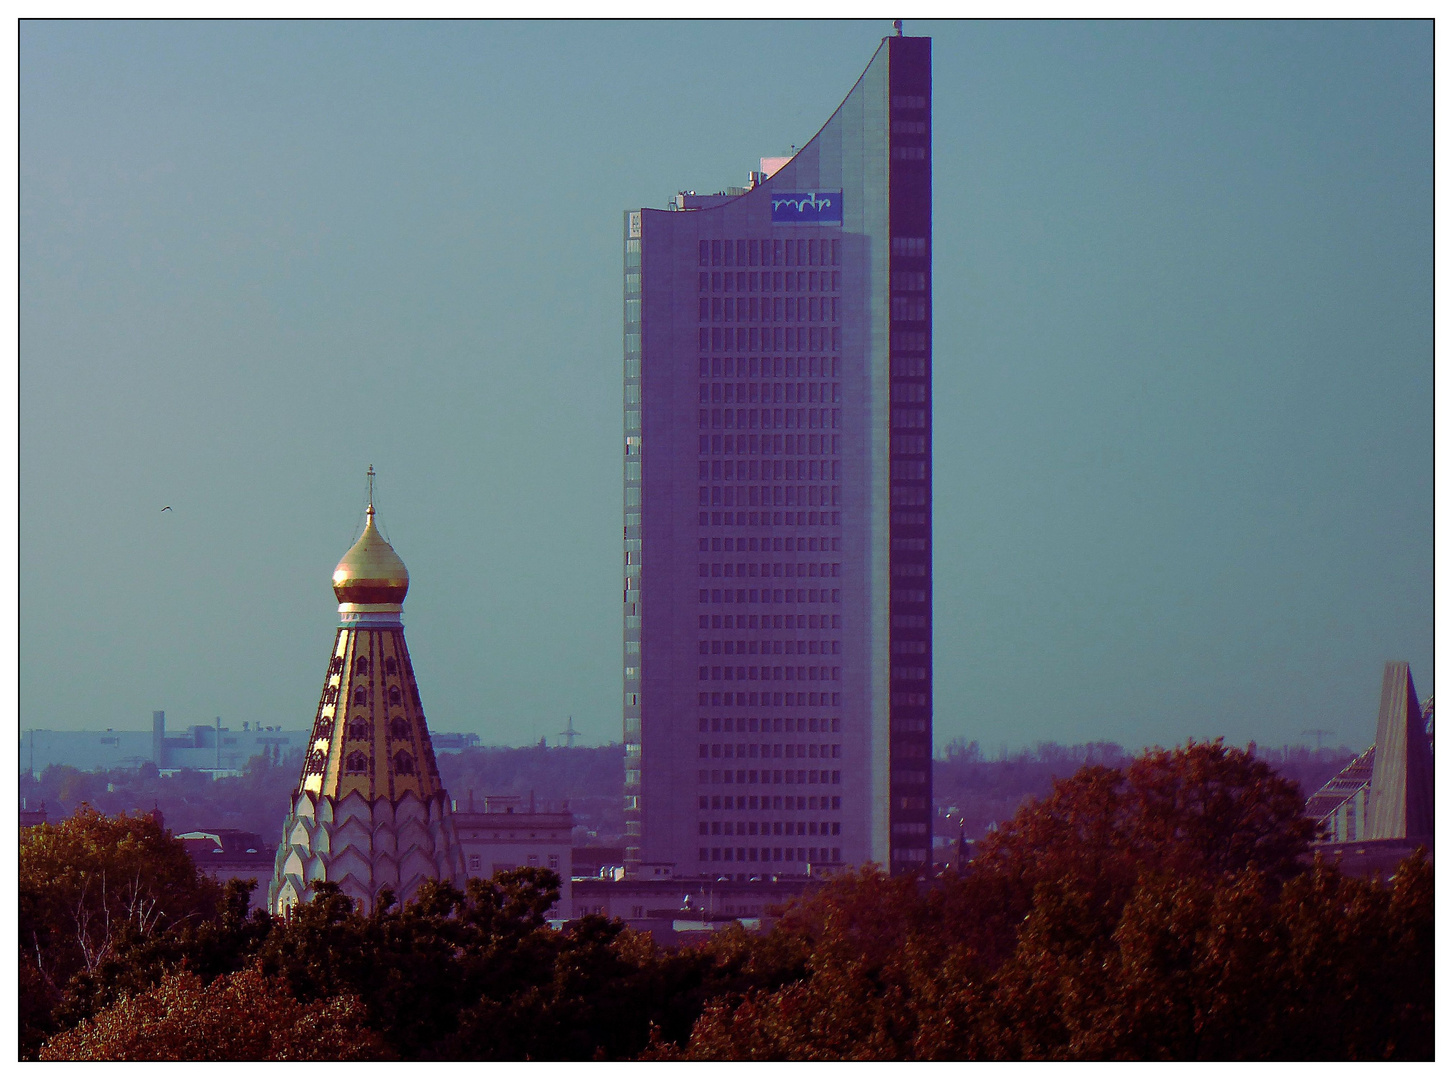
point(95, 890)
point(1169, 909)
point(244, 1016)
point(1163, 911)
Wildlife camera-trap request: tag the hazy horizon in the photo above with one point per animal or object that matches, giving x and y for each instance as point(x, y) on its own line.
point(1183, 341)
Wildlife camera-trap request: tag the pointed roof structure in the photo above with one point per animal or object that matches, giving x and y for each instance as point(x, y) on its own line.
point(1402, 773)
point(370, 811)
point(1386, 792)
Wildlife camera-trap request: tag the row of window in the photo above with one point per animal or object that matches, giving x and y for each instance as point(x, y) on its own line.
point(910, 673)
point(744, 444)
point(360, 729)
point(744, 698)
point(358, 762)
point(769, 596)
point(750, 570)
point(908, 596)
point(910, 570)
point(771, 750)
point(769, 622)
point(910, 828)
point(909, 308)
point(777, 495)
point(360, 695)
point(770, 393)
point(774, 648)
point(769, 543)
point(768, 339)
point(741, 367)
point(790, 469)
point(768, 253)
point(790, 309)
point(910, 153)
point(909, 340)
point(477, 863)
point(742, 281)
point(769, 802)
point(901, 646)
point(362, 665)
point(908, 393)
point(776, 517)
point(776, 854)
point(768, 776)
point(769, 828)
point(770, 723)
point(770, 418)
point(770, 674)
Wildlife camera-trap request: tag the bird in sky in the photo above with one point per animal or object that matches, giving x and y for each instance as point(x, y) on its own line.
point(164, 509)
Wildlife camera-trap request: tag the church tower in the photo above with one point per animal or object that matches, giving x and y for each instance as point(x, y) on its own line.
point(369, 811)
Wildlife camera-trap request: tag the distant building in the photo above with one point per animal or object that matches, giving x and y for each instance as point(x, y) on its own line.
point(1379, 808)
point(209, 748)
point(454, 742)
point(31, 816)
point(679, 911)
point(224, 854)
point(504, 834)
point(369, 811)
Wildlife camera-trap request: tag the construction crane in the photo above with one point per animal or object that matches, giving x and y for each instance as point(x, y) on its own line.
point(569, 733)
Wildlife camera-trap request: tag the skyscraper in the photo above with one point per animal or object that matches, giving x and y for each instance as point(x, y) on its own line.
point(369, 811)
point(778, 600)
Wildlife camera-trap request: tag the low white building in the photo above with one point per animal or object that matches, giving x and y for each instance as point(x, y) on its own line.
point(502, 832)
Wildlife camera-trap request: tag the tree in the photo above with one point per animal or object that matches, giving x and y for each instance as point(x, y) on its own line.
point(1163, 911)
point(244, 1016)
point(93, 890)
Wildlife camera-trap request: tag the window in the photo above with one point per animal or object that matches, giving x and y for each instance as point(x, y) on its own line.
point(360, 666)
point(360, 696)
point(390, 666)
point(356, 762)
point(358, 728)
point(399, 728)
point(474, 862)
point(554, 862)
point(404, 763)
point(394, 696)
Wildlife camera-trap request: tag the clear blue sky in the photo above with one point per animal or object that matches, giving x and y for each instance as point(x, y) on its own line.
point(1183, 388)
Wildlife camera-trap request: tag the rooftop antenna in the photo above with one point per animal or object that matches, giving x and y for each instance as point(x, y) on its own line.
point(371, 475)
point(898, 27)
point(569, 731)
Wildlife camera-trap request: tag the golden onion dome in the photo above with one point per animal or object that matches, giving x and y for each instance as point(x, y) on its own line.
point(371, 572)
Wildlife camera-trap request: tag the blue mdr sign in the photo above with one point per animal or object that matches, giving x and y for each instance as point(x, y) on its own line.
point(807, 208)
